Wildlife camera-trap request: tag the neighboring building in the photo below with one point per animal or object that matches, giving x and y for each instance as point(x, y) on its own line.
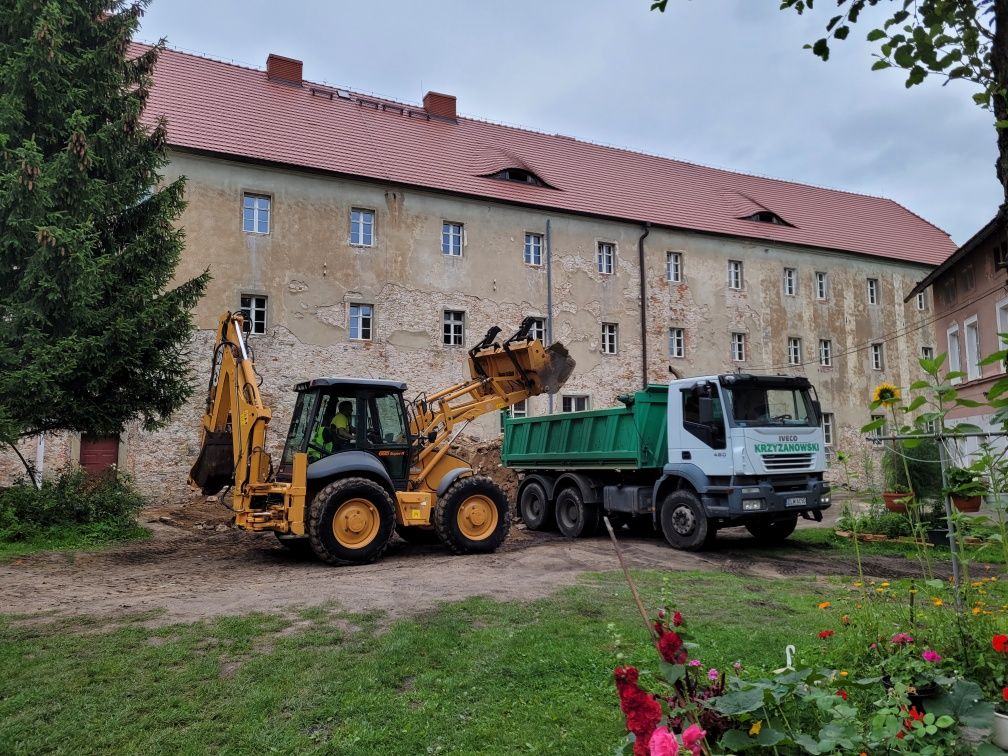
point(970, 294)
point(374, 238)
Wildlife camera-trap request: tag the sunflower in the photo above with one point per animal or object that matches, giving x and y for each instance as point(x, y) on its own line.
point(886, 394)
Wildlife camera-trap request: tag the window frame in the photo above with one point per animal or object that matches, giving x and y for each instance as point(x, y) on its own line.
point(1001, 324)
point(738, 346)
point(794, 347)
point(360, 317)
point(256, 210)
point(828, 426)
point(610, 338)
point(538, 329)
point(448, 338)
point(927, 352)
point(821, 285)
point(952, 332)
point(973, 370)
point(873, 291)
point(361, 211)
point(573, 399)
point(533, 254)
point(921, 301)
point(605, 258)
point(448, 237)
point(876, 351)
point(826, 353)
point(674, 267)
point(677, 350)
point(790, 282)
point(252, 309)
point(736, 275)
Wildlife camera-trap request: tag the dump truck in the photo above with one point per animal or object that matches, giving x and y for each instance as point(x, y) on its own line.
point(689, 458)
point(360, 462)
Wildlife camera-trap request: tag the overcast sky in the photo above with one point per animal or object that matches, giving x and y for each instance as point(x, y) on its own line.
point(723, 83)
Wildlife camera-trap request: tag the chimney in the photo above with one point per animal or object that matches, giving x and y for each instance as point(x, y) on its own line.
point(287, 70)
point(440, 105)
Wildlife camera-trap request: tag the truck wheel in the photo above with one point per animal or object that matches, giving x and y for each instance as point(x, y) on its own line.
point(417, 534)
point(535, 508)
point(772, 531)
point(473, 516)
point(683, 521)
point(575, 518)
point(351, 520)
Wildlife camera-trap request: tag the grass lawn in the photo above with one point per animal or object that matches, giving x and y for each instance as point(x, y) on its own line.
point(471, 677)
point(825, 538)
point(73, 538)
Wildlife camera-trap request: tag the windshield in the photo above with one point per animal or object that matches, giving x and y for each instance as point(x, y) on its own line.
point(754, 405)
point(300, 422)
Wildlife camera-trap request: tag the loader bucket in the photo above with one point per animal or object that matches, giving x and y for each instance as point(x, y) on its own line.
point(214, 467)
point(522, 366)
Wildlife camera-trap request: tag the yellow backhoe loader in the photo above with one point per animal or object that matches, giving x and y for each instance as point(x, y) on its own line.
point(360, 463)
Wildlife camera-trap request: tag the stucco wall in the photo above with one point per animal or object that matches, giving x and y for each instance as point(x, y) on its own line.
point(310, 273)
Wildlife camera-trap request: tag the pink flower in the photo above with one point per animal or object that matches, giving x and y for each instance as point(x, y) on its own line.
point(695, 663)
point(663, 743)
point(738, 665)
point(713, 674)
point(691, 738)
point(931, 656)
point(901, 639)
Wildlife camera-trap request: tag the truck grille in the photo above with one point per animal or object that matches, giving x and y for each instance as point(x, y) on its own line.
point(787, 461)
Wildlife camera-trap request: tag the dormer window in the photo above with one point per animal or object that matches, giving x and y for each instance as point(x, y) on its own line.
point(766, 216)
point(519, 176)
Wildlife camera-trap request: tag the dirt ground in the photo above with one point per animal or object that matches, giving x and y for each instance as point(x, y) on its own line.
point(196, 566)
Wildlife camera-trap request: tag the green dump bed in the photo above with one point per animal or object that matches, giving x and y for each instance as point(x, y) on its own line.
point(625, 438)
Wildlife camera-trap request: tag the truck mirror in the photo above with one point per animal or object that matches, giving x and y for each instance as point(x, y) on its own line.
point(706, 410)
point(432, 437)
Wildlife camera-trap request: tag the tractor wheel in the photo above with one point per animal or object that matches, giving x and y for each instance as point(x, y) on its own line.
point(299, 545)
point(772, 532)
point(473, 516)
point(351, 520)
point(535, 508)
point(419, 536)
point(574, 517)
point(683, 521)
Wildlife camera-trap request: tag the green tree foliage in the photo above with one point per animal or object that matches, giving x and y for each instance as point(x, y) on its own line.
point(951, 39)
point(93, 331)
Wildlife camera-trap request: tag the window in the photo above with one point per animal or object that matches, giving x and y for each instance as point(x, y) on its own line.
point(606, 257)
point(954, 363)
point(574, 403)
point(520, 175)
point(738, 347)
point(454, 327)
point(873, 291)
point(734, 274)
point(973, 369)
point(921, 300)
point(949, 290)
point(451, 239)
point(676, 342)
point(518, 409)
point(827, 428)
point(878, 432)
point(821, 285)
point(253, 309)
point(538, 330)
point(533, 249)
point(794, 351)
point(967, 278)
point(609, 338)
point(256, 213)
point(790, 281)
point(927, 352)
point(876, 357)
point(1002, 326)
point(362, 227)
point(825, 352)
point(361, 319)
point(673, 266)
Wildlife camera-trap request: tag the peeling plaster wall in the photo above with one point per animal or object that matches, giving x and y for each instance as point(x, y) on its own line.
point(311, 274)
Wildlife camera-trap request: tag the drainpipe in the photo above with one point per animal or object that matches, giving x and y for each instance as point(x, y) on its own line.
point(643, 304)
point(549, 304)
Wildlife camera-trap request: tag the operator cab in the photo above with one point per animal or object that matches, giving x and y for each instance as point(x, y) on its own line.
point(770, 401)
point(336, 415)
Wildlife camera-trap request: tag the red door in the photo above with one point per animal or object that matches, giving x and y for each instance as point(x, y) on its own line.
point(98, 453)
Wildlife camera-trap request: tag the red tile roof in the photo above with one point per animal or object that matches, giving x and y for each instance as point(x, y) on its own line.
point(232, 110)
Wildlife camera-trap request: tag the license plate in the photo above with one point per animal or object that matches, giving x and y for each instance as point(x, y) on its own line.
point(796, 501)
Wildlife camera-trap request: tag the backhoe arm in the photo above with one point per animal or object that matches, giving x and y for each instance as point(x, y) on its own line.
point(502, 375)
point(234, 425)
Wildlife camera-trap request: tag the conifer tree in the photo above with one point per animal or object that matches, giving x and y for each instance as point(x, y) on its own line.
point(93, 328)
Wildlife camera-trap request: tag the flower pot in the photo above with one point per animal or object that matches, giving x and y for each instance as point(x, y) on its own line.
point(938, 537)
point(966, 503)
point(891, 503)
point(999, 736)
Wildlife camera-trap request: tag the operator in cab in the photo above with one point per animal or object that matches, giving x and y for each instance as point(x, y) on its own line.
point(335, 435)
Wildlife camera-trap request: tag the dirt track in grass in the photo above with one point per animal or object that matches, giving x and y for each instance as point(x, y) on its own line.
point(195, 567)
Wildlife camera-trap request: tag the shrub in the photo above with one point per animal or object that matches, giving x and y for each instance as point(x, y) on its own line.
point(888, 524)
point(71, 498)
point(925, 469)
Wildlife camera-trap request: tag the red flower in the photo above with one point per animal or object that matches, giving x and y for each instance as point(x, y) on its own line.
point(1000, 643)
point(825, 634)
point(670, 646)
point(642, 711)
point(842, 693)
point(677, 619)
point(1004, 693)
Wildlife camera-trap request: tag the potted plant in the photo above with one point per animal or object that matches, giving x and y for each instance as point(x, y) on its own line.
point(967, 488)
point(937, 526)
point(898, 493)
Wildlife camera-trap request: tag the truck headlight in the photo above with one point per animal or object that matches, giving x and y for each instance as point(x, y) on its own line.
point(751, 491)
point(824, 499)
point(752, 505)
